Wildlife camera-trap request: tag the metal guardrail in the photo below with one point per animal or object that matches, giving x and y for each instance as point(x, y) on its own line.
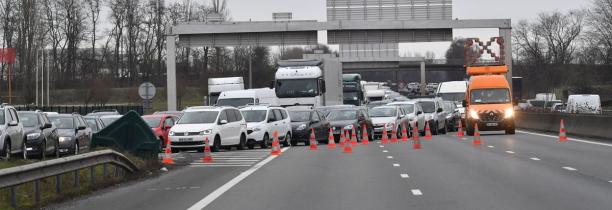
point(14, 176)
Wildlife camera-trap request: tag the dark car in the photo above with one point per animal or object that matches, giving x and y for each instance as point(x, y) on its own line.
point(348, 118)
point(41, 135)
point(326, 109)
point(74, 135)
point(94, 122)
point(303, 120)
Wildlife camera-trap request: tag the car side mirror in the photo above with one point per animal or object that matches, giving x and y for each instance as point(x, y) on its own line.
point(419, 113)
point(440, 110)
point(81, 128)
point(46, 125)
point(167, 127)
point(323, 88)
point(222, 122)
point(464, 103)
point(13, 123)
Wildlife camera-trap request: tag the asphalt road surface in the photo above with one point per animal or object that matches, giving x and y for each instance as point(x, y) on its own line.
point(523, 171)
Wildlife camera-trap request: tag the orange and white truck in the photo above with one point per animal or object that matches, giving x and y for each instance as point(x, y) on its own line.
point(488, 100)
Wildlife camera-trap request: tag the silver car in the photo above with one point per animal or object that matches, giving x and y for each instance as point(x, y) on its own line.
point(12, 140)
point(434, 114)
point(414, 112)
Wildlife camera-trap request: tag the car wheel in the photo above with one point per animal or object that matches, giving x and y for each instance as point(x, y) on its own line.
point(7, 150)
point(434, 130)
point(510, 131)
point(76, 148)
point(216, 144)
point(265, 141)
point(287, 140)
point(24, 150)
point(443, 130)
point(242, 143)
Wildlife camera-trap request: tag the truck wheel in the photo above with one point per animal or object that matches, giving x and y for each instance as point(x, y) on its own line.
point(510, 131)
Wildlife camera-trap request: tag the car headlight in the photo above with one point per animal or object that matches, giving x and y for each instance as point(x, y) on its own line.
point(206, 132)
point(171, 133)
point(474, 115)
point(509, 113)
point(257, 129)
point(64, 139)
point(348, 127)
point(390, 125)
point(301, 127)
point(33, 135)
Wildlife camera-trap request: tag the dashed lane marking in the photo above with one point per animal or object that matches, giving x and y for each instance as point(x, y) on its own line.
point(389, 157)
point(490, 146)
point(404, 176)
point(510, 152)
point(381, 146)
point(396, 165)
point(385, 151)
point(535, 158)
point(570, 139)
point(569, 168)
point(417, 192)
point(225, 187)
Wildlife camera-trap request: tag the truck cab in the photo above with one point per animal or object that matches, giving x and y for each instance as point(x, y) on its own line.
point(489, 104)
point(352, 91)
point(300, 82)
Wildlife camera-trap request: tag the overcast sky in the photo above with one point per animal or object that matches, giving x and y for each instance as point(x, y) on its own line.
point(261, 10)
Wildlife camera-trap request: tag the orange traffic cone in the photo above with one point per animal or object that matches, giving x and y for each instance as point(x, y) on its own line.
point(460, 130)
point(313, 140)
point(354, 137)
point(276, 150)
point(331, 142)
point(385, 138)
point(562, 132)
point(404, 133)
point(427, 131)
point(207, 156)
point(342, 137)
point(477, 141)
point(394, 135)
point(364, 139)
point(348, 148)
point(415, 132)
point(347, 137)
point(167, 159)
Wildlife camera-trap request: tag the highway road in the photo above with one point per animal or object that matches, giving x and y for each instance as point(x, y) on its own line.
point(523, 171)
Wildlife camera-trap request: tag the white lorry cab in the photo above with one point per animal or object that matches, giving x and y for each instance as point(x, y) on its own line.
point(300, 82)
point(218, 85)
point(584, 104)
point(238, 98)
point(452, 91)
point(374, 95)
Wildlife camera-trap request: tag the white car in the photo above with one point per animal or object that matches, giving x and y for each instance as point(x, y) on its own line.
point(262, 121)
point(223, 126)
point(414, 112)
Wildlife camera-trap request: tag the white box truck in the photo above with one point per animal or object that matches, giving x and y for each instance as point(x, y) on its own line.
point(218, 85)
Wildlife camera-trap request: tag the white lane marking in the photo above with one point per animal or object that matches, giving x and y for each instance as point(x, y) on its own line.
point(610, 181)
point(490, 146)
point(396, 165)
point(378, 142)
point(464, 138)
point(389, 157)
point(381, 146)
point(570, 139)
point(219, 191)
point(404, 176)
point(534, 158)
point(181, 188)
point(385, 151)
point(152, 189)
point(201, 166)
point(416, 192)
point(167, 188)
point(569, 168)
point(510, 152)
point(196, 187)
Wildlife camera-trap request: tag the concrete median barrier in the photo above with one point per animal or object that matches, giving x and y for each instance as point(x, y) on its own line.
point(596, 126)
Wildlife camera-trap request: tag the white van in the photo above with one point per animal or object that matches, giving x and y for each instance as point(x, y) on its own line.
point(584, 104)
point(452, 91)
point(238, 98)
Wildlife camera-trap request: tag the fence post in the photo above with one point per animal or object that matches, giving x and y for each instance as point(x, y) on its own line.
point(92, 174)
point(58, 184)
point(37, 192)
point(76, 178)
point(13, 195)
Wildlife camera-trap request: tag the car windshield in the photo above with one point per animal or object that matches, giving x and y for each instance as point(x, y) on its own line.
point(2, 121)
point(342, 115)
point(91, 122)
point(153, 122)
point(383, 112)
point(28, 119)
point(452, 96)
point(299, 116)
point(408, 107)
point(109, 120)
point(200, 117)
point(291, 88)
point(428, 106)
point(62, 122)
point(254, 115)
point(350, 96)
point(234, 102)
point(490, 96)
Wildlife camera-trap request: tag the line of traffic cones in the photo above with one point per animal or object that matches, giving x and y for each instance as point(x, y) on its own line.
point(207, 153)
point(313, 140)
point(365, 140)
point(331, 142)
point(562, 132)
point(276, 150)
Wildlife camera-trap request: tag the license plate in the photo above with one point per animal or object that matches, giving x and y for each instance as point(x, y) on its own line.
point(336, 132)
point(492, 124)
point(185, 139)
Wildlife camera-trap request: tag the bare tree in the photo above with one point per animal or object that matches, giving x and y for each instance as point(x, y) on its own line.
point(599, 35)
point(560, 32)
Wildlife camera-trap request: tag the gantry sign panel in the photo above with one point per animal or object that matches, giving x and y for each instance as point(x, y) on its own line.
point(250, 39)
point(389, 10)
